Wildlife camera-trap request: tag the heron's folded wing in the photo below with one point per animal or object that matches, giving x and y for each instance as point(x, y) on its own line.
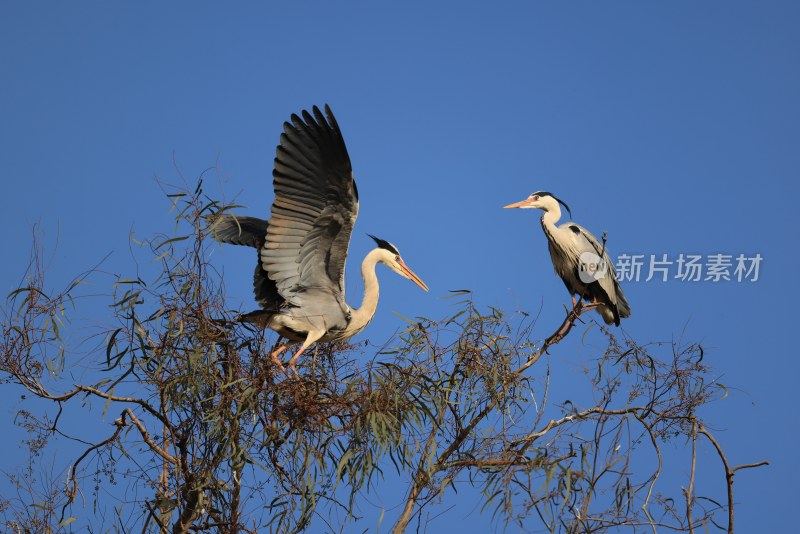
point(589, 243)
point(315, 208)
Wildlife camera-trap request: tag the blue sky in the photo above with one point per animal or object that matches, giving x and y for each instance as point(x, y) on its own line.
point(672, 126)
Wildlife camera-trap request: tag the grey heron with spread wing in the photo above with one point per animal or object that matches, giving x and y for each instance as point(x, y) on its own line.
point(299, 279)
point(579, 259)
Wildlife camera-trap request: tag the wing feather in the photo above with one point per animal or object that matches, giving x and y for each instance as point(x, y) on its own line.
point(239, 230)
point(315, 208)
point(251, 232)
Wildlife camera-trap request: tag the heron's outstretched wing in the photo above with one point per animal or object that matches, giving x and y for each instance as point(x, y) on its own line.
point(589, 243)
point(315, 208)
point(239, 230)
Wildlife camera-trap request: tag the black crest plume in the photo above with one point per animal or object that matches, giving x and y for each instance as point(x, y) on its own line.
point(546, 193)
point(382, 243)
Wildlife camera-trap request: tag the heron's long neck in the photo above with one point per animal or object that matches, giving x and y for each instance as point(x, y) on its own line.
point(361, 317)
point(550, 218)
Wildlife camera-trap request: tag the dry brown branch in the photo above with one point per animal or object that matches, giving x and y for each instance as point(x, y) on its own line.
point(689, 492)
point(729, 472)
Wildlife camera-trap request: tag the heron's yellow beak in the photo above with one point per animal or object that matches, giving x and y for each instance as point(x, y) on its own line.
point(410, 274)
point(520, 204)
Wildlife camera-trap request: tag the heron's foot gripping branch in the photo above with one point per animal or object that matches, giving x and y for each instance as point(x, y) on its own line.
point(274, 357)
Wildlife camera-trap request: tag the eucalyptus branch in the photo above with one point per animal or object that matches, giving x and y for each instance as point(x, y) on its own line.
point(689, 492)
point(72, 488)
point(656, 475)
point(729, 472)
point(421, 478)
point(526, 442)
point(146, 437)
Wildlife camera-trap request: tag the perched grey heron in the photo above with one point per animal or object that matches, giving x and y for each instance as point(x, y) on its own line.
point(579, 259)
point(299, 279)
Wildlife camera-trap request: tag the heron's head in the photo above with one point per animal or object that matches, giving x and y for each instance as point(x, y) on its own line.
point(542, 200)
point(390, 256)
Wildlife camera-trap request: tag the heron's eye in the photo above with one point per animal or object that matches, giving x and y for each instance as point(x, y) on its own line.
point(535, 197)
point(397, 259)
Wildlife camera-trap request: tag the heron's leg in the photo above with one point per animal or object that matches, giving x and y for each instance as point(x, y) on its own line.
point(311, 338)
point(274, 356)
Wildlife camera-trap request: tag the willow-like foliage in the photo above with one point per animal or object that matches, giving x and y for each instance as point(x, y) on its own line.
point(208, 436)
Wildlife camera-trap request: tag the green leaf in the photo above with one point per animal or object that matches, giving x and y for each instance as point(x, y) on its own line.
point(342, 463)
point(403, 317)
point(125, 281)
point(380, 520)
point(108, 402)
point(110, 345)
point(171, 240)
point(456, 293)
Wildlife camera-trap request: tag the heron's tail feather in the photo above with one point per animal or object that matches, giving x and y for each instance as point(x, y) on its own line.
point(623, 307)
point(607, 313)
